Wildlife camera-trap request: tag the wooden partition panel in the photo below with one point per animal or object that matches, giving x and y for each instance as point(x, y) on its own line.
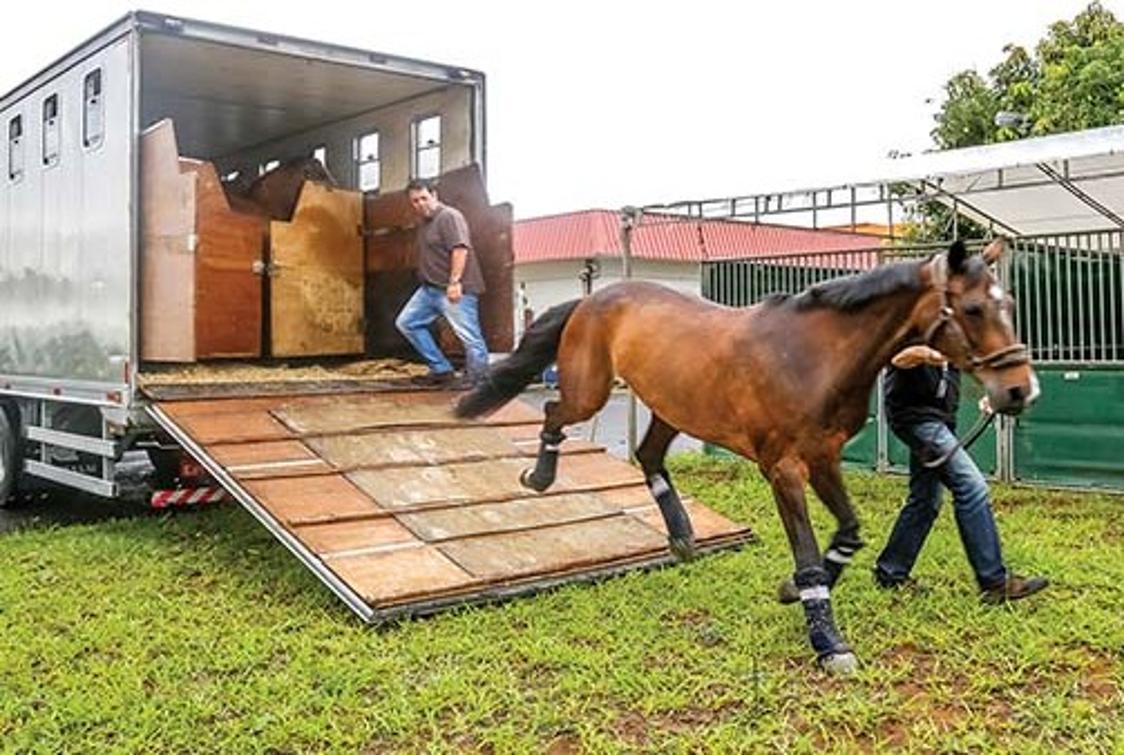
point(200, 291)
point(317, 284)
point(167, 250)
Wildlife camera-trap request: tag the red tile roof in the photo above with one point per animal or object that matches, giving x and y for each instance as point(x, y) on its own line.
point(596, 233)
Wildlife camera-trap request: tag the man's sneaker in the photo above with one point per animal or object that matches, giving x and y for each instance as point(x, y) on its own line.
point(886, 582)
point(1013, 588)
point(434, 379)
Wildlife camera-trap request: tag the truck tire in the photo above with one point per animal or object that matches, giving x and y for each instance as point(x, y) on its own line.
point(166, 463)
point(10, 461)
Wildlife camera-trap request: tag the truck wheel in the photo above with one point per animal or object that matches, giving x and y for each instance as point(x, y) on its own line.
point(167, 464)
point(10, 460)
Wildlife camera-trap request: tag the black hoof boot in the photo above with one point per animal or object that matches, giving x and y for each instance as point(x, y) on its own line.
point(546, 465)
point(839, 663)
point(680, 535)
point(528, 479)
point(683, 548)
point(832, 653)
point(843, 548)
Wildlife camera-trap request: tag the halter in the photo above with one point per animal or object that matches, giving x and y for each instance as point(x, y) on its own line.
point(1008, 356)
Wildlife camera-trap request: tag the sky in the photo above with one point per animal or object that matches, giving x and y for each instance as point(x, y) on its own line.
point(605, 104)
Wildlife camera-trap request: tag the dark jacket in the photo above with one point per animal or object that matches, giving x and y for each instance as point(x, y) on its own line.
point(921, 393)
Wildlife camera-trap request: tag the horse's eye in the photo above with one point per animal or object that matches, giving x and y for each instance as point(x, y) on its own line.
point(973, 310)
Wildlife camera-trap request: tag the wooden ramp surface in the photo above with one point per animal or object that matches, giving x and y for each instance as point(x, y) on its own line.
point(401, 509)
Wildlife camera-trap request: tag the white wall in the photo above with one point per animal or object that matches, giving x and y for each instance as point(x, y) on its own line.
point(545, 284)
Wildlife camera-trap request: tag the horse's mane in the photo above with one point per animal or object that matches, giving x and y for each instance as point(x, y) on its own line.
point(854, 291)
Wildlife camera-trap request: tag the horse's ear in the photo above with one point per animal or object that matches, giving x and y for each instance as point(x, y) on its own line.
point(957, 253)
point(994, 250)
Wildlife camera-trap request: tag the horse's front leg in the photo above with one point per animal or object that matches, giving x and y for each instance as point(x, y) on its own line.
point(845, 543)
point(811, 578)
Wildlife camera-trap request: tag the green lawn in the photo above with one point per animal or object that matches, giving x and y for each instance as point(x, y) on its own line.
point(194, 632)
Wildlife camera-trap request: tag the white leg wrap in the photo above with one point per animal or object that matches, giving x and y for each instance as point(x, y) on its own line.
point(658, 485)
point(819, 592)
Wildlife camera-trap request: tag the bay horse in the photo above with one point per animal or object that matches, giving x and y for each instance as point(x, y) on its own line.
point(275, 193)
point(784, 383)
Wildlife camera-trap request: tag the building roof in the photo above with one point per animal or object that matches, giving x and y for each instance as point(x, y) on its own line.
point(881, 230)
point(596, 233)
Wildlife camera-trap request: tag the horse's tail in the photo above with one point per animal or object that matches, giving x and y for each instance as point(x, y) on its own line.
point(505, 379)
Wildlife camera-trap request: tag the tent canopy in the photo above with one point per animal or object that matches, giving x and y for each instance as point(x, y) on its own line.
point(1058, 184)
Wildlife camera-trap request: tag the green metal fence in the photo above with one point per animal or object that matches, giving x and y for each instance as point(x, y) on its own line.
point(1074, 435)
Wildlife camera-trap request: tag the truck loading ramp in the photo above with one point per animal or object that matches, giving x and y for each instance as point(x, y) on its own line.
point(401, 509)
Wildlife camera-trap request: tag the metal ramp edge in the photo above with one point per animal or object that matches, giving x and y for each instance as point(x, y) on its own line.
point(313, 562)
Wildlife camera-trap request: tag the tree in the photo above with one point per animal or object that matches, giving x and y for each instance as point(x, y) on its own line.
point(1074, 80)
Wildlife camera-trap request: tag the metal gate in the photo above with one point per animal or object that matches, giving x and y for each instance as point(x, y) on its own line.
point(1069, 293)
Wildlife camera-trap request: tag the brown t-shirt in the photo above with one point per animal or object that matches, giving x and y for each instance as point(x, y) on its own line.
point(437, 237)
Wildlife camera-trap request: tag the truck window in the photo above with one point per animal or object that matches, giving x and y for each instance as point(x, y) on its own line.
point(51, 130)
point(370, 166)
point(427, 146)
point(93, 110)
point(15, 148)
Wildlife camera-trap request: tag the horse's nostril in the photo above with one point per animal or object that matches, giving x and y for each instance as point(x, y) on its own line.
point(1016, 394)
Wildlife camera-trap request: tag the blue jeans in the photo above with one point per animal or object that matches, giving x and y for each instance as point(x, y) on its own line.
point(974, 518)
point(426, 305)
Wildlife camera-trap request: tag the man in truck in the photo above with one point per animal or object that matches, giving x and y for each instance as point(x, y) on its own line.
point(451, 286)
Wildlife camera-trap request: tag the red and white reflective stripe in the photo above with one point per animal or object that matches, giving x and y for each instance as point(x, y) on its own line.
point(162, 499)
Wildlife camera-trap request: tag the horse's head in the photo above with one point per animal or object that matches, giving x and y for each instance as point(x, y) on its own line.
point(277, 191)
point(311, 169)
point(973, 326)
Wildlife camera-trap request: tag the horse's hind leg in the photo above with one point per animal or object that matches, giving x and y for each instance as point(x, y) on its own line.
point(651, 454)
point(811, 578)
point(828, 483)
point(584, 388)
point(545, 470)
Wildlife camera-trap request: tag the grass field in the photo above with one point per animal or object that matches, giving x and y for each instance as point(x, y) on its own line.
point(194, 632)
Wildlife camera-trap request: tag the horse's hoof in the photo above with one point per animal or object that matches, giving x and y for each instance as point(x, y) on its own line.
point(839, 664)
point(527, 479)
point(788, 593)
point(683, 548)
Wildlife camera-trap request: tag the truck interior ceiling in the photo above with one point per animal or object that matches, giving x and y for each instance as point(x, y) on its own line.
point(226, 100)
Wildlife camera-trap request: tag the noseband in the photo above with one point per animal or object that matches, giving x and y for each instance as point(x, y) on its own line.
point(1008, 356)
